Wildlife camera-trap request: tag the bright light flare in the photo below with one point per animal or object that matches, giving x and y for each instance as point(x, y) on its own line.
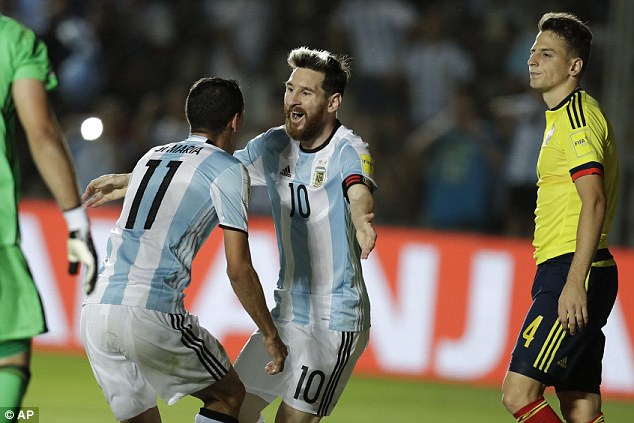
point(91, 128)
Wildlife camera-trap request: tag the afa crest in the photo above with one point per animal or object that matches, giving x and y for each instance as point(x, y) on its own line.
point(319, 177)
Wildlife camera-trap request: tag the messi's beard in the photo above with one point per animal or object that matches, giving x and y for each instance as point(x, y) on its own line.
point(313, 126)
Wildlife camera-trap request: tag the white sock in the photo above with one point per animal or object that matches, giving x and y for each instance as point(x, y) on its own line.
point(261, 419)
point(209, 416)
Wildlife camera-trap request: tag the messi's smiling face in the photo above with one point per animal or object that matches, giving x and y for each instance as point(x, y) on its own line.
point(305, 104)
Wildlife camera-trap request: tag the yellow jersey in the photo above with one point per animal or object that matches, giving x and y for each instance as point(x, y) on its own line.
point(578, 140)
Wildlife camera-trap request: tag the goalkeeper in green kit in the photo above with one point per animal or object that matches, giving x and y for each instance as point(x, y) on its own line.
point(25, 77)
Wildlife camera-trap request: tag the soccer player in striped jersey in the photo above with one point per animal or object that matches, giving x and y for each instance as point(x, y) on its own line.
point(140, 339)
point(319, 176)
point(561, 342)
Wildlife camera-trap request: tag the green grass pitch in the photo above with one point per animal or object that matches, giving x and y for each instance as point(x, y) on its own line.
point(64, 390)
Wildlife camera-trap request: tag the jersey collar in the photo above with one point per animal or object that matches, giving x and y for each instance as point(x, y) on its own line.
point(321, 147)
point(567, 99)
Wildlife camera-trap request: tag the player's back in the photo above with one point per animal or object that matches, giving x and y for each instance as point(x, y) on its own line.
point(177, 194)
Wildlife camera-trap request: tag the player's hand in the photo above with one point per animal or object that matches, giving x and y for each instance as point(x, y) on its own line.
point(573, 307)
point(366, 235)
point(105, 188)
point(81, 250)
point(278, 352)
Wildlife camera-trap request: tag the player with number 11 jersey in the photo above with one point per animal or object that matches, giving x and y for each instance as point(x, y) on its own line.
point(186, 175)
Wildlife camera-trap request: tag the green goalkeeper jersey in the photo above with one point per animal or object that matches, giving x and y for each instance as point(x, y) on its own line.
point(22, 55)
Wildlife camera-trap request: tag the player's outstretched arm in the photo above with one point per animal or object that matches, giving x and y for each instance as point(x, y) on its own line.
point(247, 287)
point(106, 188)
point(362, 213)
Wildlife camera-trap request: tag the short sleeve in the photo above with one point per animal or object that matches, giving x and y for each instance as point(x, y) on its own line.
point(30, 57)
point(357, 166)
point(251, 158)
point(230, 195)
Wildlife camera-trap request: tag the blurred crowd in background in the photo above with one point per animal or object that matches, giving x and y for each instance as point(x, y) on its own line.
point(439, 89)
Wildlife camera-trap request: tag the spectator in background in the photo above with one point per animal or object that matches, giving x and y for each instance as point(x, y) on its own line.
point(76, 55)
point(161, 117)
point(242, 39)
point(375, 33)
point(461, 152)
point(435, 66)
point(520, 118)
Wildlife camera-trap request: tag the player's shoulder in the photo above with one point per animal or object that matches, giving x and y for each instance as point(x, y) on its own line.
point(276, 135)
point(13, 31)
point(272, 140)
point(345, 137)
point(580, 110)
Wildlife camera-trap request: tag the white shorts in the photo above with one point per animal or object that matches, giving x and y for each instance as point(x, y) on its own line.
point(136, 354)
point(316, 371)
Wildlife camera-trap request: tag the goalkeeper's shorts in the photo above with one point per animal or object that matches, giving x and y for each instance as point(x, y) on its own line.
point(21, 311)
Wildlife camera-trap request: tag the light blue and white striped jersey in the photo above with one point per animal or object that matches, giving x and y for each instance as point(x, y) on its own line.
point(177, 195)
point(320, 280)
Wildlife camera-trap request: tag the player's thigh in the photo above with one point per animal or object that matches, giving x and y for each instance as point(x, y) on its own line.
point(546, 352)
point(176, 354)
point(21, 312)
point(261, 387)
point(126, 389)
point(541, 334)
point(321, 362)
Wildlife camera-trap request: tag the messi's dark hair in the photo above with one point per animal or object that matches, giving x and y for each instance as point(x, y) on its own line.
point(211, 104)
point(575, 33)
point(336, 69)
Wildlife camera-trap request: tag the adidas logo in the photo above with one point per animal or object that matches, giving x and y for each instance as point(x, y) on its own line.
point(563, 362)
point(286, 172)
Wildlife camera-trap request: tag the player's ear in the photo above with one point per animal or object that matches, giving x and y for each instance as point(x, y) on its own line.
point(334, 101)
point(576, 66)
point(236, 122)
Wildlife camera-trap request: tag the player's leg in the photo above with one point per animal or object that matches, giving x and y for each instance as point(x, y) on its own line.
point(15, 358)
point(222, 400)
point(179, 357)
point(151, 415)
point(321, 362)
point(261, 387)
point(580, 407)
point(535, 350)
point(580, 395)
point(288, 414)
point(251, 410)
point(130, 396)
point(21, 318)
point(523, 397)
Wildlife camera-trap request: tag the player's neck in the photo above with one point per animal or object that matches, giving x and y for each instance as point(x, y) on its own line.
point(555, 96)
point(222, 140)
point(323, 137)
